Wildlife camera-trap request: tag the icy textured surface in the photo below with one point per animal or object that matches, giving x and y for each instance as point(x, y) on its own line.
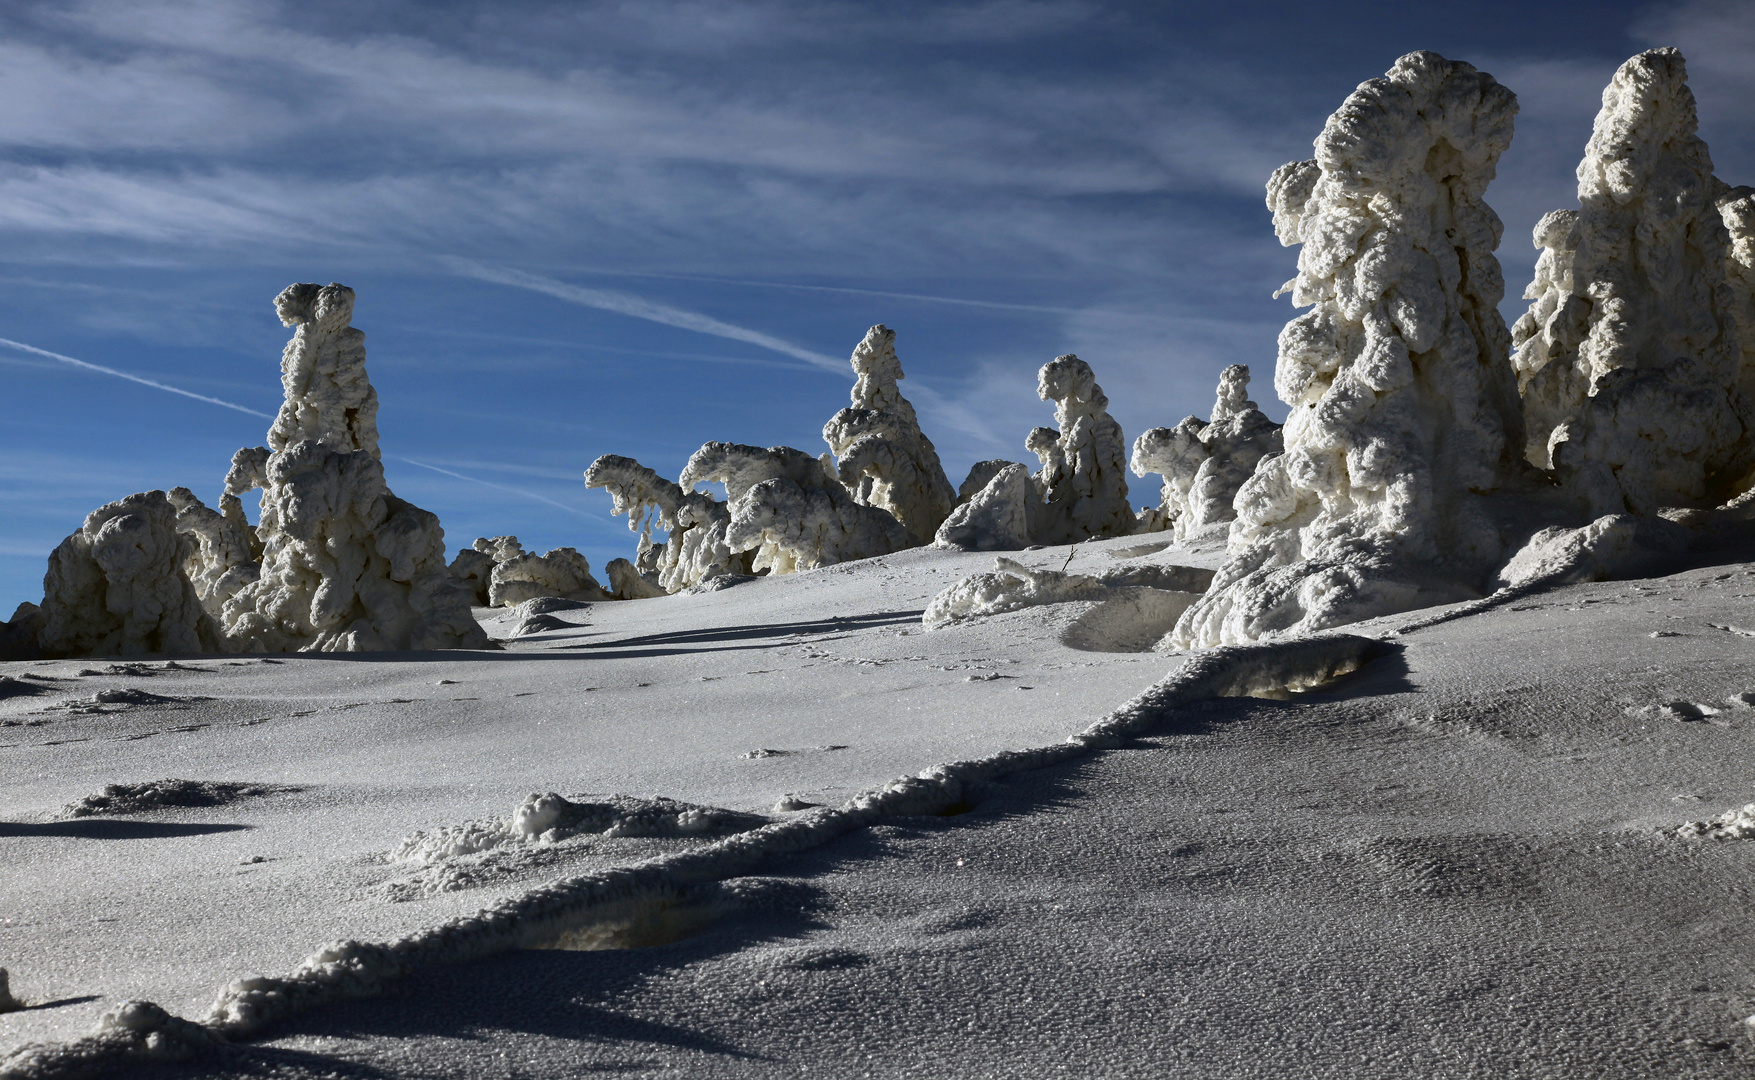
point(1083, 480)
point(979, 474)
point(561, 572)
point(1403, 407)
point(473, 568)
point(1629, 360)
point(346, 565)
point(117, 586)
point(225, 554)
point(883, 458)
point(695, 550)
point(1010, 586)
point(995, 518)
point(1204, 463)
point(789, 510)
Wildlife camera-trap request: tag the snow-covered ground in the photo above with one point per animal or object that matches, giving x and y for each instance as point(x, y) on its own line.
point(1461, 860)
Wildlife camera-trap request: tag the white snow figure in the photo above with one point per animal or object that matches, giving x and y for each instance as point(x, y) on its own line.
point(1403, 404)
point(118, 587)
point(473, 568)
point(346, 565)
point(884, 459)
point(695, 550)
point(1009, 586)
point(995, 518)
point(790, 509)
point(562, 572)
point(1205, 462)
point(1737, 208)
point(224, 554)
point(1083, 481)
point(1629, 360)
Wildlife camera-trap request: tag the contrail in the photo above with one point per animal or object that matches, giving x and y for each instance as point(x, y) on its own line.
point(102, 370)
point(502, 487)
point(640, 308)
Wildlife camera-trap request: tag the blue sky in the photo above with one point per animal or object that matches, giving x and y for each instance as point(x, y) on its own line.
point(579, 228)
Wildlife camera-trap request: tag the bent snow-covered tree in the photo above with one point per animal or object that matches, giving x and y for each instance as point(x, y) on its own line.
point(1205, 462)
point(695, 549)
point(1631, 359)
point(1403, 404)
point(884, 459)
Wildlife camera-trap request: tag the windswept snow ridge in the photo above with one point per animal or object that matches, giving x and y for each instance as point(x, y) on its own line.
point(142, 1032)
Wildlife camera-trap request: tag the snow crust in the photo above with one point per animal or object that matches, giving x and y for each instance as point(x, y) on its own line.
point(1083, 479)
point(1631, 359)
point(994, 518)
point(1205, 462)
point(117, 586)
point(1403, 409)
point(883, 458)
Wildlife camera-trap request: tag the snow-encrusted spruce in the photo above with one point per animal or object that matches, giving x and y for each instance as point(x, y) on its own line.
point(473, 568)
point(224, 555)
point(995, 518)
point(1404, 407)
point(1083, 480)
point(346, 565)
point(790, 509)
point(695, 549)
point(117, 586)
point(562, 572)
point(1205, 462)
point(627, 582)
point(980, 474)
point(1629, 359)
point(884, 459)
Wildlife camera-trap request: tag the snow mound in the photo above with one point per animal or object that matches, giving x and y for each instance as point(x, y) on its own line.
point(995, 518)
point(1403, 407)
point(1083, 479)
point(626, 582)
point(1131, 619)
point(1630, 359)
point(162, 794)
point(1738, 824)
point(1205, 462)
point(118, 587)
point(1008, 587)
point(1613, 546)
point(884, 459)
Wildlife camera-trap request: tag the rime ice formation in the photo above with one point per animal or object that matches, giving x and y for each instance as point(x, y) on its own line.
point(980, 474)
point(994, 518)
point(1083, 480)
point(1403, 407)
point(1010, 586)
point(473, 568)
point(790, 509)
point(627, 583)
point(1204, 463)
point(884, 460)
point(1629, 359)
point(224, 553)
point(18, 635)
point(346, 565)
point(1737, 208)
point(695, 550)
point(117, 586)
point(562, 572)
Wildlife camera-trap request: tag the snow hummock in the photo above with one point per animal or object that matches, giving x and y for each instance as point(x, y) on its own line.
point(1205, 462)
point(1630, 359)
point(1403, 408)
point(883, 458)
point(1010, 586)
